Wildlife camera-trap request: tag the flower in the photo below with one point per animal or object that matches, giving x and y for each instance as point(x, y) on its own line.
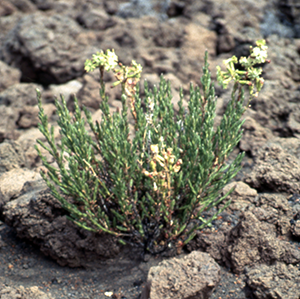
point(154, 148)
point(260, 55)
point(108, 61)
point(136, 69)
point(89, 66)
point(111, 60)
point(230, 62)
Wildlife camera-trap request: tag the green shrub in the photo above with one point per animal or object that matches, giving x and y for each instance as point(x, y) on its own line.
point(150, 188)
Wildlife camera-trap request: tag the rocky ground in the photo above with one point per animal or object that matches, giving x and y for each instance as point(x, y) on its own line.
point(254, 246)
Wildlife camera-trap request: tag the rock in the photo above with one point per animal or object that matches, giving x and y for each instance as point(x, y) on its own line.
point(241, 196)
point(276, 107)
point(275, 170)
point(6, 8)
point(139, 8)
point(274, 101)
point(2, 243)
point(111, 7)
point(96, 19)
point(89, 95)
point(8, 119)
point(274, 281)
point(225, 43)
point(274, 209)
point(176, 9)
point(232, 21)
point(9, 76)
point(12, 156)
point(191, 57)
point(162, 62)
point(28, 140)
point(28, 117)
point(20, 95)
point(169, 35)
point(45, 5)
point(291, 10)
point(294, 201)
point(70, 8)
point(40, 50)
point(272, 24)
point(24, 5)
point(213, 243)
point(295, 228)
point(67, 90)
point(254, 137)
point(39, 218)
point(240, 189)
point(7, 24)
point(12, 181)
point(22, 98)
point(284, 54)
point(253, 242)
point(8, 292)
point(294, 121)
point(193, 276)
point(45, 48)
point(291, 145)
point(261, 236)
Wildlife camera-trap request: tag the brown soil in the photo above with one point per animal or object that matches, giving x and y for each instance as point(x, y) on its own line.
point(22, 264)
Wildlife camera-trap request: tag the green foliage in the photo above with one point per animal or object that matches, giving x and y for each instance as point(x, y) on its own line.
point(152, 188)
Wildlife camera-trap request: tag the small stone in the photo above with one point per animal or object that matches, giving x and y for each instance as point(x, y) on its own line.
point(193, 276)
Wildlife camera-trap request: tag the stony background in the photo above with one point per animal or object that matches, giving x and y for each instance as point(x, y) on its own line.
point(44, 43)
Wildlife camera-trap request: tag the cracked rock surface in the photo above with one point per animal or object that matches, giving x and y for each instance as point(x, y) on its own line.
point(252, 249)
